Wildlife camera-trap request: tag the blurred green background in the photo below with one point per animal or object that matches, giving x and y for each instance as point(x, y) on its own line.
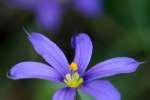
point(123, 29)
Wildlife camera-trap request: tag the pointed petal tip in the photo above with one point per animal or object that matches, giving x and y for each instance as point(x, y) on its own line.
point(48, 50)
point(34, 36)
point(30, 34)
point(113, 66)
point(137, 64)
point(26, 31)
point(142, 62)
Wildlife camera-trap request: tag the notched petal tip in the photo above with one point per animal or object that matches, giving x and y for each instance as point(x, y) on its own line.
point(74, 40)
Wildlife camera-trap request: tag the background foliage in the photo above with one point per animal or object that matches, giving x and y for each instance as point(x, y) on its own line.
point(123, 29)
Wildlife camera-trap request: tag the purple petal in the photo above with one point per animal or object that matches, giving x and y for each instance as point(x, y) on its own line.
point(89, 8)
point(112, 67)
point(100, 90)
point(50, 52)
point(49, 14)
point(33, 70)
point(64, 94)
point(83, 51)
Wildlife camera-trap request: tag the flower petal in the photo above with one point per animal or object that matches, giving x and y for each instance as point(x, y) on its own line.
point(49, 14)
point(83, 51)
point(89, 8)
point(37, 70)
point(112, 67)
point(50, 52)
point(64, 94)
point(100, 90)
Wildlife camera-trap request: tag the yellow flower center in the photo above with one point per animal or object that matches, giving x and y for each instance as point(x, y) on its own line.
point(73, 66)
point(73, 80)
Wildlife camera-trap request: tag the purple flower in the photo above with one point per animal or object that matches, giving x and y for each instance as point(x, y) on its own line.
point(49, 12)
point(74, 75)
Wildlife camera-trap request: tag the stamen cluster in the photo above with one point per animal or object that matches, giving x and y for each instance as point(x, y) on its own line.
point(73, 79)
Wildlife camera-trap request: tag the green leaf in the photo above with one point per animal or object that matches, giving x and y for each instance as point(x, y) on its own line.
point(84, 96)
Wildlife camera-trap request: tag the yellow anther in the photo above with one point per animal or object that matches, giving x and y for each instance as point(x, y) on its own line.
point(73, 80)
point(68, 77)
point(73, 67)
